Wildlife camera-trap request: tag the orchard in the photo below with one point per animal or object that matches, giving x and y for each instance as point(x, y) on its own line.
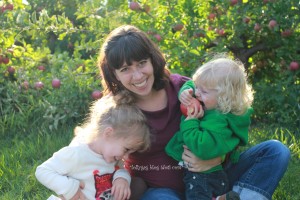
point(49, 75)
point(49, 49)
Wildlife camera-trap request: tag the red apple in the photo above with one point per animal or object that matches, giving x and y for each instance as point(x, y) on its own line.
point(38, 85)
point(41, 67)
point(199, 34)
point(9, 7)
point(246, 20)
point(146, 8)
point(257, 27)
point(178, 27)
point(56, 83)
point(97, 94)
point(11, 69)
point(286, 33)
point(272, 24)
point(233, 2)
point(294, 66)
point(221, 32)
point(135, 6)
point(157, 37)
point(194, 102)
point(25, 85)
point(5, 60)
point(211, 16)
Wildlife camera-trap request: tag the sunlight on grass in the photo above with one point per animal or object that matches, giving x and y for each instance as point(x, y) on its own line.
point(22, 154)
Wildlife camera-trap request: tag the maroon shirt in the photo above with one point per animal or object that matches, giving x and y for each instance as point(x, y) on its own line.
point(155, 166)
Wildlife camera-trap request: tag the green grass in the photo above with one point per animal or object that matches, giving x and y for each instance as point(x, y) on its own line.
point(21, 154)
point(19, 158)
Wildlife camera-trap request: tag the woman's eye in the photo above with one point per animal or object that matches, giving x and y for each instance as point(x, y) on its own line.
point(124, 69)
point(143, 62)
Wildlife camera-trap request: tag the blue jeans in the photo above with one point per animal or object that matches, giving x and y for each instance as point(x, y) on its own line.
point(162, 194)
point(205, 186)
point(259, 170)
point(255, 176)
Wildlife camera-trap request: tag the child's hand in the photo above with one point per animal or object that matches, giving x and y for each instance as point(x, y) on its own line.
point(195, 110)
point(120, 189)
point(186, 97)
point(79, 194)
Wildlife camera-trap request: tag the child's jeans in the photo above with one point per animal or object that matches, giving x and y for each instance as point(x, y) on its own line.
point(205, 185)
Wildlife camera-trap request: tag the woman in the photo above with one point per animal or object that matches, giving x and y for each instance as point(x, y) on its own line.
point(129, 60)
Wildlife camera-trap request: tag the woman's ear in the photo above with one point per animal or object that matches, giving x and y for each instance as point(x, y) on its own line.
point(108, 132)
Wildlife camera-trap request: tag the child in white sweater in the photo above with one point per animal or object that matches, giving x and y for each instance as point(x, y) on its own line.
point(87, 168)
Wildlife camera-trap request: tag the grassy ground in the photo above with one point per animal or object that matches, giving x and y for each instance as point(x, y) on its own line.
point(21, 154)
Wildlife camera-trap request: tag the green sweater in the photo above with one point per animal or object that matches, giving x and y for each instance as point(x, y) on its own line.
point(212, 136)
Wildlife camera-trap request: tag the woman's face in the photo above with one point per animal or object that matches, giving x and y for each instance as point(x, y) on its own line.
point(138, 77)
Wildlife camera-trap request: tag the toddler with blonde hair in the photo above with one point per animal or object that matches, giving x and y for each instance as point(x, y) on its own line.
point(215, 128)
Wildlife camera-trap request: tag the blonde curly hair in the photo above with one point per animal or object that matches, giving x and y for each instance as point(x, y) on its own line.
point(228, 77)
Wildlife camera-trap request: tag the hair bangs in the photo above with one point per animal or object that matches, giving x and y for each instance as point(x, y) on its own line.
point(127, 49)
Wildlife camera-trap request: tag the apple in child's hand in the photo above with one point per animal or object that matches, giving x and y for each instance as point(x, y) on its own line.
point(194, 102)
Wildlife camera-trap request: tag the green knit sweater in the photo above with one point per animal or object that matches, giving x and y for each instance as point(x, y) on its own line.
point(212, 136)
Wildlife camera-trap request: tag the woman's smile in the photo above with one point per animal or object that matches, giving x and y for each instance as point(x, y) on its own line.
point(141, 84)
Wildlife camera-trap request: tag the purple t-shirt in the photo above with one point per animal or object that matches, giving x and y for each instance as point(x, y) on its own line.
point(155, 166)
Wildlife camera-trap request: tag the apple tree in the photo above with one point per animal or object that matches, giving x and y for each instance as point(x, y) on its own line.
point(39, 80)
point(263, 34)
point(64, 37)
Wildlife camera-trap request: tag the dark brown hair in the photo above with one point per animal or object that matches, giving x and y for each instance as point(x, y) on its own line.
point(124, 45)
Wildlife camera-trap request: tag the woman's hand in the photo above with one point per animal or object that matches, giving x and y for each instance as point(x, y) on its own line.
point(120, 189)
point(195, 164)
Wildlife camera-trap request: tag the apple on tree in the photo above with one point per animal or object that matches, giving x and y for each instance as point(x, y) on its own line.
point(41, 67)
point(146, 8)
point(294, 66)
point(25, 85)
point(177, 27)
point(135, 6)
point(257, 27)
point(97, 94)
point(247, 20)
point(221, 32)
point(11, 70)
point(38, 85)
point(157, 37)
point(272, 24)
point(233, 2)
point(56, 83)
point(211, 16)
point(5, 60)
point(286, 33)
point(9, 6)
